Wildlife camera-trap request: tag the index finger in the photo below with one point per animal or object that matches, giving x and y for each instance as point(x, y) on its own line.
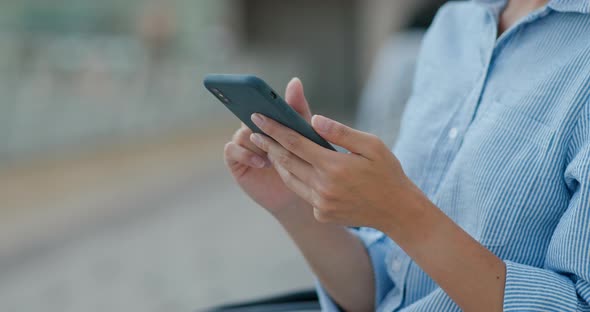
point(291, 140)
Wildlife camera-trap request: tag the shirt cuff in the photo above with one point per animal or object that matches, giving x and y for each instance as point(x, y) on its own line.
point(376, 247)
point(326, 302)
point(530, 288)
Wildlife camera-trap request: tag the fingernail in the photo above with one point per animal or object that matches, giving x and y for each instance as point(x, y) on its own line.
point(321, 123)
point(257, 119)
point(258, 162)
point(256, 139)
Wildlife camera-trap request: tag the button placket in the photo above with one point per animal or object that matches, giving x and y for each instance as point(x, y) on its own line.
point(397, 263)
point(453, 133)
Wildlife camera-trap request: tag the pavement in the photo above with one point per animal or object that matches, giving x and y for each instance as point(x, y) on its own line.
point(156, 227)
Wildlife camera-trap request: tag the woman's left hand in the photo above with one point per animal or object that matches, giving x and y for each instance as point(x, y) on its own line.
point(362, 188)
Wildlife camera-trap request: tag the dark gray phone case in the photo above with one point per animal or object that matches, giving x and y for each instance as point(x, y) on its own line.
point(245, 95)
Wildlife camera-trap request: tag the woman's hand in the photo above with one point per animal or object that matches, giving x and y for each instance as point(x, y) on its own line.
point(251, 168)
point(361, 188)
point(368, 187)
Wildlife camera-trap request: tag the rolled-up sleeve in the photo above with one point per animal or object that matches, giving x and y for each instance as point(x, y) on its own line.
point(534, 289)
point(562, 284)
point(376, 245)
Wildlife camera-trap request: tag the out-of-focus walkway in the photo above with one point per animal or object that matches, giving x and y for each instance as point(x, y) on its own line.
point(156, 228)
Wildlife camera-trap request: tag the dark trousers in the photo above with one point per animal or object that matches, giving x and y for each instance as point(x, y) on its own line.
point(306, 300)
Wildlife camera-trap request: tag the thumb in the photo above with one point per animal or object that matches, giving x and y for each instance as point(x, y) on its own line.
point(355, 141)
point(296, 98)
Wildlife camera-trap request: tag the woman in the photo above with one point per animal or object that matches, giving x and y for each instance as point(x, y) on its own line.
point(484, 203)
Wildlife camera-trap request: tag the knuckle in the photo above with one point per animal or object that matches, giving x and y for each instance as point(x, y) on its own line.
point(242, 135)
point(229, 155)
point(339, 171)
point(335, 170)
point(326, 214)
point(227, 149)
point(286, 177)
point(320, 216)
point(330, 211)
point(316, 199)
point(326, 193)
point(263, 144)
point(342, 132)
point(291, 140)
point(374, 142)
point(284, 159)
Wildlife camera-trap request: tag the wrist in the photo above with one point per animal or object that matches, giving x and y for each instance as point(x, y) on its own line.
point(413, 219)
point(298, 213)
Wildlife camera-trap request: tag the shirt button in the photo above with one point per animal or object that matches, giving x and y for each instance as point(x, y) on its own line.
point(396, 265)
point(453, 133)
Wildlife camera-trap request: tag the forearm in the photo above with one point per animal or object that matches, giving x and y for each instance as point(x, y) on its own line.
point(468, 272)
point(337, 257)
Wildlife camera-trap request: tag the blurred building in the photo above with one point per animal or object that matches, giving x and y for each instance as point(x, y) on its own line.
point(111, 177)
point(78, 73)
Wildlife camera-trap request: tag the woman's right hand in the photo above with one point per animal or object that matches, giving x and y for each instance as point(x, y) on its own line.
point(251, 168)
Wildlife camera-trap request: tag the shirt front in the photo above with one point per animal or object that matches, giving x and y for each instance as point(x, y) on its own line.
point(497, 135)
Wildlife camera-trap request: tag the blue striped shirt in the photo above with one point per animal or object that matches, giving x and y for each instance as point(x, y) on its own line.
point(497, 135)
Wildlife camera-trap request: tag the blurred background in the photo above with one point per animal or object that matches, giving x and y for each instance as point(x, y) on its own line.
point(113, 192)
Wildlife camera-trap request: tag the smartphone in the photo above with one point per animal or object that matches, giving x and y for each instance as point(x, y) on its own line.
point(245, 95)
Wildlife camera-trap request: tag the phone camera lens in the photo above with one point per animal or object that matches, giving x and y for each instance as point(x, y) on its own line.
point(220, 95)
